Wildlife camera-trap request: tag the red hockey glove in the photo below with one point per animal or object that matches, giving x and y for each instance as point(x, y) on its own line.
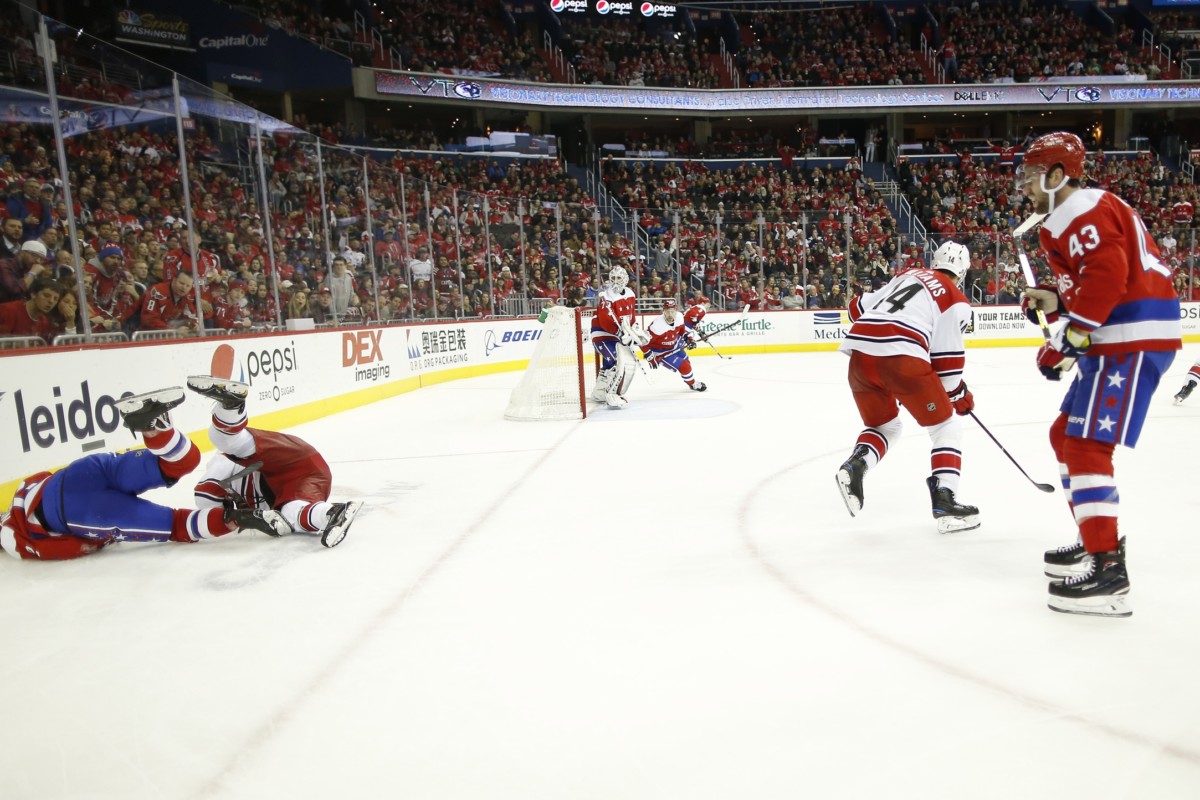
point(1058, 355)
point(652, 361)
point(1040, 298)
point(962, 399)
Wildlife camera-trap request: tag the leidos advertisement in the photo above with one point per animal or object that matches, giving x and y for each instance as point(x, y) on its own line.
point(56, 406)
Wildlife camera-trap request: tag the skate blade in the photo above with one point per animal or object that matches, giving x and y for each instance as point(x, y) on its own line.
point(853, 505)
point(1111, 606)
point(168, 397)
point(202, 383)
point(957, 524)
point(335, 535)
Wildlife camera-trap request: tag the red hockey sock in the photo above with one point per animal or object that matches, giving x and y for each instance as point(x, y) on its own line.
point(1094, 497)
point(177, 455)
point(192, 526)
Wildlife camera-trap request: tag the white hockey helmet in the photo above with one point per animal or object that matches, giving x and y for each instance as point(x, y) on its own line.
point(952, 257)
point(618, 277)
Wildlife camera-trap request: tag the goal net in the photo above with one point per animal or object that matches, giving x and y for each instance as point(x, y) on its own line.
point(561, 372)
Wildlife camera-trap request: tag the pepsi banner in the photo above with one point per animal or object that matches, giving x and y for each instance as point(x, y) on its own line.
point(633, 9)
point(1156, 94)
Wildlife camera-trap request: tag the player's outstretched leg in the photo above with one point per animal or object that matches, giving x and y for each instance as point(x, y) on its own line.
point(1069, 560)
point(150, 411)
point(1185, 392)
point(951, 515)
point(850, 479)
point(341, 516)
point(230, 394)
point(1102, 591)
point(271, 523)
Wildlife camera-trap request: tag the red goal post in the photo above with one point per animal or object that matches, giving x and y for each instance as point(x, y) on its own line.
point(561, 372)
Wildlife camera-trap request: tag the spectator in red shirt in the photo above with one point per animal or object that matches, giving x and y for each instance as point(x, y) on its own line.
point(32, 317)
point(170, 304)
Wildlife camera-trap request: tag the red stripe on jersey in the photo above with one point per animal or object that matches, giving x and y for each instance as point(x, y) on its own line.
point(855, 309)
point(210, 489)
point(948, 363)
point(884, 331)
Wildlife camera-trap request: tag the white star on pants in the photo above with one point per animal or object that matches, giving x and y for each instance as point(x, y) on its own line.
point(1116, 380)
point(1107, 423)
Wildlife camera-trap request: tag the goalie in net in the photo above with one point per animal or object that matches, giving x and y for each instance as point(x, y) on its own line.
point(560, 378)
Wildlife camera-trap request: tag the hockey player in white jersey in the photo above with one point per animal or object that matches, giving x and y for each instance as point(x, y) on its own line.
point(670, 339)
point(1193, 378)
point(613, 334)
point(906, 349)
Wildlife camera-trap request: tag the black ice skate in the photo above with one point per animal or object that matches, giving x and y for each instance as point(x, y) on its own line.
point(850, 479)
point(951, 515)
point(150, 411)
point(230, 394)
point(1102, 591)
point(271, 523)
point(1185, 392)
point(1063, 562)
point(341, 516)
point(698, 386)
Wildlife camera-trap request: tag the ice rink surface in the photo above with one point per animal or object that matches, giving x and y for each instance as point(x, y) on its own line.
point(668, 601)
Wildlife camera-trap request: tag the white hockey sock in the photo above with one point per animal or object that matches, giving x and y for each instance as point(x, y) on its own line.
point(945, 457)
point(228, 432)
point(305, 516)
point(877, 440)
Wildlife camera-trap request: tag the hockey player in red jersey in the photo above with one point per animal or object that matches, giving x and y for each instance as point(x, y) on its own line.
point(669, 342)
point(1122, 330)
point(906, 349)
point(613, 334)
point(265, 469)
point(95, 501)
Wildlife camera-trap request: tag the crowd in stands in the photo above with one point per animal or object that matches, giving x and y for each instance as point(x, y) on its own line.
point(1179, 30)
point(332, 27)
point(468, 38)
point(451, 236)
point(1020, 40)
point(826, 46)
point(757, 235)
point(612, 51)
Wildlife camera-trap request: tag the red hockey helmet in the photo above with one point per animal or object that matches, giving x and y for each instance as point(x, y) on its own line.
point(1061, 149)
point(670, 303)
point(694, 315)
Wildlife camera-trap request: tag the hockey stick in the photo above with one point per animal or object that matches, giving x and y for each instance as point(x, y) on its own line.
point(1044, 487)
point(704, 337)
point(718, 352)
point(239, 500)
point(631, 354)
point(1027, 268)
